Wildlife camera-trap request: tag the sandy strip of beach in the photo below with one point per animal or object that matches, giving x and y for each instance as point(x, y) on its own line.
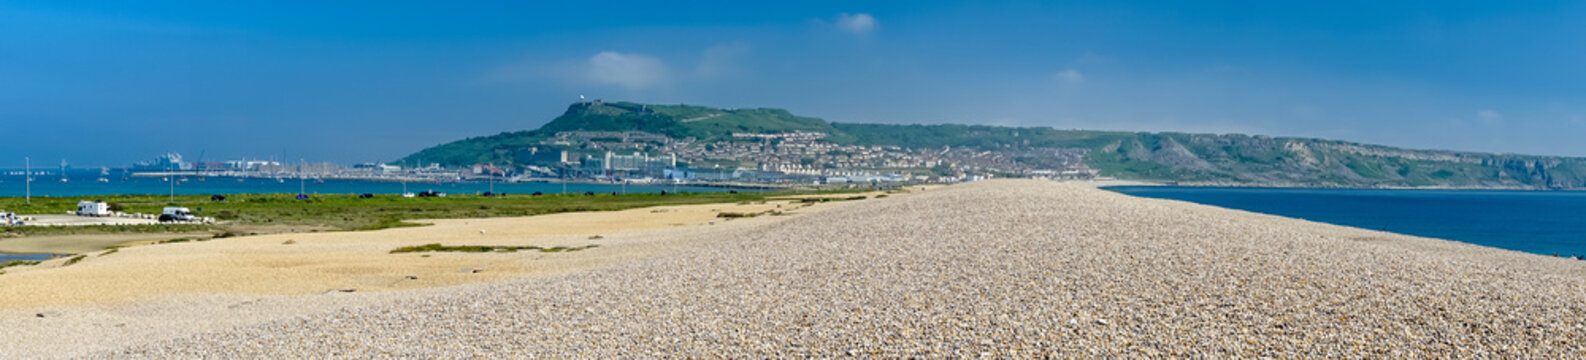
point(989, 269)
point(311, 263)
point(134, 294)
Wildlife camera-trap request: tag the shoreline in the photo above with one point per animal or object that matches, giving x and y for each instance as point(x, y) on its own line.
point(464, 180)
point(1282, 186)
point(228, 186)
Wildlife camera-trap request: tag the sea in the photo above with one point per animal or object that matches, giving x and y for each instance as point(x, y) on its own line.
point(1539, 222)
point(85, 182)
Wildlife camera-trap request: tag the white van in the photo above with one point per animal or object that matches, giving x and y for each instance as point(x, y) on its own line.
point(93, 208)
point(177, 214)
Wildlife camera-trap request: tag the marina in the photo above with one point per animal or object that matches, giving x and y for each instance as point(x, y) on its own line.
point(84, 182)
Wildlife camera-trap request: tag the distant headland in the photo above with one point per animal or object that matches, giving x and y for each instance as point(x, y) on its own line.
point(612, 140)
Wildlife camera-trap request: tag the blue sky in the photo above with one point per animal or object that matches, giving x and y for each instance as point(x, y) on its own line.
point(114, 82)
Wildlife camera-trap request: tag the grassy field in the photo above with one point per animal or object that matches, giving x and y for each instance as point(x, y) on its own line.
point(262, 213)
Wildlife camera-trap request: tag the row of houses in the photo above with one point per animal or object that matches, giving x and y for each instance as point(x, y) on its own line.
point(790, 156)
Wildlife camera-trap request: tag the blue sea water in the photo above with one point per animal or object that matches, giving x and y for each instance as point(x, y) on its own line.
point(1540, 222)
point(84, 182)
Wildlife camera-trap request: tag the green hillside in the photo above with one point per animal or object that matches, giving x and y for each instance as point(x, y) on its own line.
point(496, 148)
point(1232, 159)
point(678, 121)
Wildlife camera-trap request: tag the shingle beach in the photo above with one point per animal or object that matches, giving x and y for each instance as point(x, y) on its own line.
point(1005, 269)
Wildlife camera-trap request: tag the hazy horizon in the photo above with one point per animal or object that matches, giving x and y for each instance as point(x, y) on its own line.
point(110, 83)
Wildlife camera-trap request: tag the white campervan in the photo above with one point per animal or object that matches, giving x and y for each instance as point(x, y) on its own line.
point(93, 208)
point(175, 214)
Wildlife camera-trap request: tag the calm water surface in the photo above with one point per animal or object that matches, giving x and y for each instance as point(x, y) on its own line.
point(12, 257)
point(1541, 222)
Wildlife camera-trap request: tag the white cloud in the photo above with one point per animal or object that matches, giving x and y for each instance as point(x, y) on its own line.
point(631, 71)
point(1070, 76)
point(860, 23)
point(1489, 117)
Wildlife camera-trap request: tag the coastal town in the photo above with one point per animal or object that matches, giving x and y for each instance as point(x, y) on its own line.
point(642, 157)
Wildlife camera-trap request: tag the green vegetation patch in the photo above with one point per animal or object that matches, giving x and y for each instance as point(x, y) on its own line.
point(246, 212)
point(19, 231)
point(735, 215)
point(74, 260)
point(6, 264)
point(487, 248)
point(19, 263)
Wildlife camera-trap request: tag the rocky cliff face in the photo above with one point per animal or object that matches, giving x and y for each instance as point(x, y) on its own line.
point(1259, 160)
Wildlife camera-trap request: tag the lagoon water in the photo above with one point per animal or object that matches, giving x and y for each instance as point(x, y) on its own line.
point(84, 182)
point(33, 257)
point(1540, 222)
